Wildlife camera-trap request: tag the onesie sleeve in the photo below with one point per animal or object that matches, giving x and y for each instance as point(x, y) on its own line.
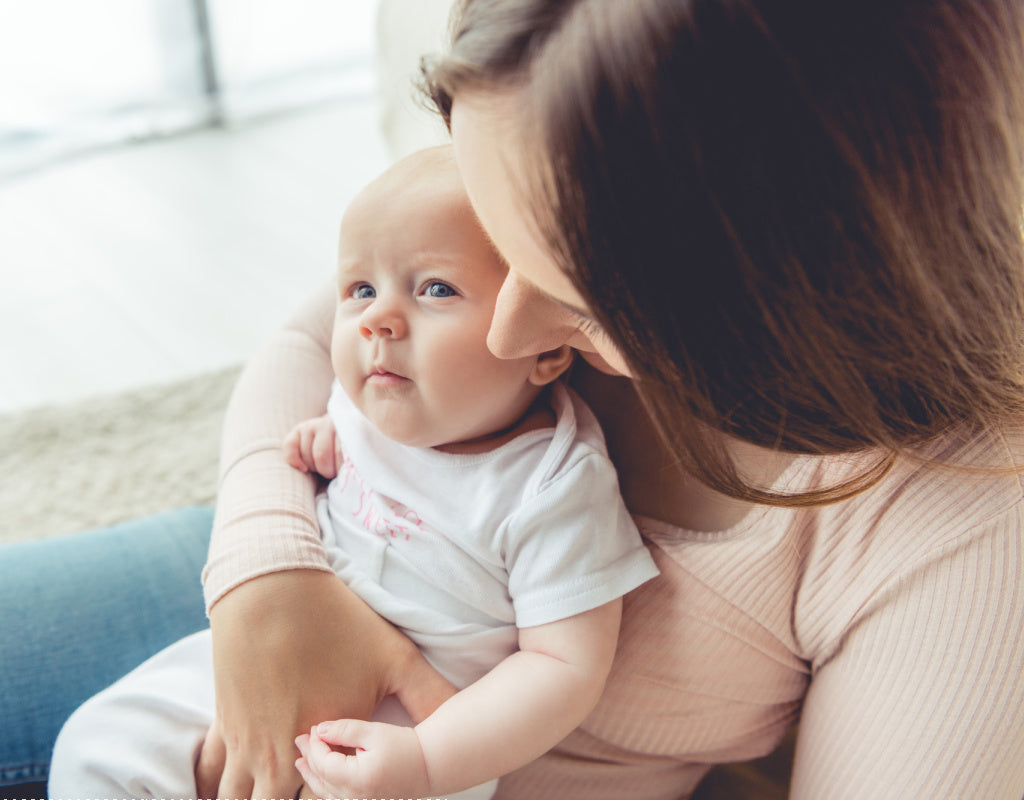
point(265, 519)
point(574, 546)
point(924, 695)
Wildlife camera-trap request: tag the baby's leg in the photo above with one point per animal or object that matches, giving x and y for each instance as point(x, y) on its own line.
point(140, 737)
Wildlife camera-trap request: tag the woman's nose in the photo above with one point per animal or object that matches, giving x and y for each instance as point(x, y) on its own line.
point(383, 319)
point(526, 322)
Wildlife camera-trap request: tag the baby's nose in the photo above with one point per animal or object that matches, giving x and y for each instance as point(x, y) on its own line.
point(380, 331)
point(383, 322)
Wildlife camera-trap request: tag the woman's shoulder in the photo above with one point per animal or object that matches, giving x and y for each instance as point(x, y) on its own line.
point(942, 490)
point(959, 497)
point(807, 573)
point(947, 490)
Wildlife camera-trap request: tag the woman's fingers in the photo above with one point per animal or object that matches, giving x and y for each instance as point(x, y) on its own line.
point(310, 780)
point(210, 765)
point(236, 781)
point(313, 784)
point(267, 634)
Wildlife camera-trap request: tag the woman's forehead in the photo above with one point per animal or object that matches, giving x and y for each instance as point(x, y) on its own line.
point(494, 170)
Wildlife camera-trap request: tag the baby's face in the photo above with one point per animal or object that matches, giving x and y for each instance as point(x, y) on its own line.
point(417, 283)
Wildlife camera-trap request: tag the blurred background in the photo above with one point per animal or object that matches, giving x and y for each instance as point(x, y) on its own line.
point(172, 174)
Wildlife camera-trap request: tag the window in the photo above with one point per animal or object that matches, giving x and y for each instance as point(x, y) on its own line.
point(75, 76)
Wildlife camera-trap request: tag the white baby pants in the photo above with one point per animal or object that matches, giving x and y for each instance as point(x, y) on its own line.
point(140, 737)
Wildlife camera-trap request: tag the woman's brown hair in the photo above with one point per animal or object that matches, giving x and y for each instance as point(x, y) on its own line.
point(800, 221)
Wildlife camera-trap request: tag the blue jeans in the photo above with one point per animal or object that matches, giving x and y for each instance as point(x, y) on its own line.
point(80, 611)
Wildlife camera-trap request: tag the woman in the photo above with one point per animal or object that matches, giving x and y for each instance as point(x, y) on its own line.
point(796, 227)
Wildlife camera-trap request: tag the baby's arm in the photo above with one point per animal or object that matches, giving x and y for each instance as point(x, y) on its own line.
point(312, 446)
point(525, 706)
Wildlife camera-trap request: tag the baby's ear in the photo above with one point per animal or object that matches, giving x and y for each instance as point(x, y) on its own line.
point(550, 365)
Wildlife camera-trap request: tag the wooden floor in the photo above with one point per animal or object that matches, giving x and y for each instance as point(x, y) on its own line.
point(158, 261)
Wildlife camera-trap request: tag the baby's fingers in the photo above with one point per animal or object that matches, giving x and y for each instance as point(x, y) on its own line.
point(292, 448)
point(311, 779)
point(363, 759)
point(311, 775)
point(346, 733)
point(325, 450)
point(329, 772)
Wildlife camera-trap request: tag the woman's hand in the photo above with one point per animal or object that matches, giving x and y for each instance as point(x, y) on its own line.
point(291, 649)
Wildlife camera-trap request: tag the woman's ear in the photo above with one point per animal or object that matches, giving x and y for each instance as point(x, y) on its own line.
point(550, 365)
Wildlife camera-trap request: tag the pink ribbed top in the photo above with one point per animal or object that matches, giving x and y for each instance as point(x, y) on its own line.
point(890, 625)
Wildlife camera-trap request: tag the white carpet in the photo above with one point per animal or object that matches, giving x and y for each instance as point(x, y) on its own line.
point(107, 459)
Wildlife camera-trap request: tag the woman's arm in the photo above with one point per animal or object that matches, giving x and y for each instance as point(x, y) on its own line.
point(292, 644)
point(265, 520)
point(518, 711)
point(925, 696)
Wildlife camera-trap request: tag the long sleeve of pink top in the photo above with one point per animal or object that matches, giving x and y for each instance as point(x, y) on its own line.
point(891, 626)
point(265, 520)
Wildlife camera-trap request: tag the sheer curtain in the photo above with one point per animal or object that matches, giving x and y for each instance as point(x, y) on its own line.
point(76, 76)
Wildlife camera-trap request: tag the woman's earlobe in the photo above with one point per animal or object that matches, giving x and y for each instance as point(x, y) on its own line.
point(551, 364)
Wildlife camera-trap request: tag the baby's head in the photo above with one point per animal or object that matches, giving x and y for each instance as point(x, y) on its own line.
point(417, 283)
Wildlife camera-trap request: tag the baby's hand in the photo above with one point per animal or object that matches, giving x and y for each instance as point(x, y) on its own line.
point(385, 761)
point(313, 446)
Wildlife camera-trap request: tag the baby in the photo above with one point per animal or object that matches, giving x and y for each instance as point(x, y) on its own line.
point(471, 503)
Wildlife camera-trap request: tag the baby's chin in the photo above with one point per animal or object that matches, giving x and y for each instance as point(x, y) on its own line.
point(403, 436)
point(406, 432)
point(445, 443)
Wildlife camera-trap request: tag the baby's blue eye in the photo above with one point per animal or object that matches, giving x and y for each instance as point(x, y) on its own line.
point(364, 291)
point(438, 289)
